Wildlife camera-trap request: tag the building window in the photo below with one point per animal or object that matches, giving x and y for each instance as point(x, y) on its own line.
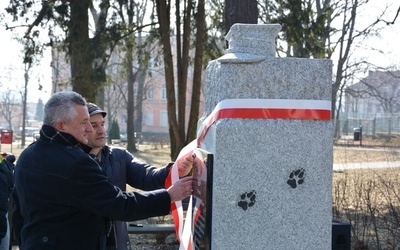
point(123, 119)
point(164, 118)
point(149, 118)
point(163, 92)
point(354, 105)
point(149, 92)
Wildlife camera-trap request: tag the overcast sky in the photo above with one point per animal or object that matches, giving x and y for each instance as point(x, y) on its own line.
point(12, 70)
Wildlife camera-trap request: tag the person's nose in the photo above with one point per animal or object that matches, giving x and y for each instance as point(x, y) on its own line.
point(89, 128)
point(101, 130)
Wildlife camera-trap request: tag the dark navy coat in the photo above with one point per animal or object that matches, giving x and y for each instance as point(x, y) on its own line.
point(122, 168)
point(65, 199)
point(6, 186)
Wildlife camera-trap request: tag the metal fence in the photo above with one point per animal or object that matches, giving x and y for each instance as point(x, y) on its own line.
point(371, 125)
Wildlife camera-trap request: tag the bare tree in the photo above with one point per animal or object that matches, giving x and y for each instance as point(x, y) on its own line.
point(307, 32)
point(176, 103)
point(88, 56)
point(350, 35)
point(133, 62)
point(32, 54)
point(383, 86)
point(115, 91)
point(133, 77)
point(8, 107)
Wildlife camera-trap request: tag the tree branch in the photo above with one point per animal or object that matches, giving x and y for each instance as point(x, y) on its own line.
point(46, 7)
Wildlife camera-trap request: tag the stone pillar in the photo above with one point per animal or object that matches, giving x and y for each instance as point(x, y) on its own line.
point(271, 177)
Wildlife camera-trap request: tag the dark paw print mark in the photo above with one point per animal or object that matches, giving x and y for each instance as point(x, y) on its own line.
point(296, 177)
point(247, 199)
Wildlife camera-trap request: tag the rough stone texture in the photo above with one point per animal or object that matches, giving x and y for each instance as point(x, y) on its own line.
point(261, 155)
point(273, 78)
point(253, 38)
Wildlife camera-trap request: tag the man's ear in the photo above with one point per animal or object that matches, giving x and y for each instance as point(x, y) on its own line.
point(60, 126)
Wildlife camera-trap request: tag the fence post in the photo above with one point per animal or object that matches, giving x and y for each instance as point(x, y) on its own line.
point(374, 127)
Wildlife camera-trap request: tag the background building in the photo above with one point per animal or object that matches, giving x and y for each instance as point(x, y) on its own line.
point(151, 117)
point(373, 103)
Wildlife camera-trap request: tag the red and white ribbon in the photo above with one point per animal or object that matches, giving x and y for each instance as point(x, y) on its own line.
point(266, 109)
point(239, 109)
point(183, 229)
point(176, 207)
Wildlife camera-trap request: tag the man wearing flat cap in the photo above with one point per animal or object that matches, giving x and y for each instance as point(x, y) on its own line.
point(123, 168)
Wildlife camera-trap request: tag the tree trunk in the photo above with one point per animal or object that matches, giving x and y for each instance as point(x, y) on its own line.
point(240, 11)
point(347, 38)
point(163, 12)
point(130, 130)
point(198, 70)
point(98, 51)
point(140, 95)
point(183, 64)
point(81, 68)
point(24, 100)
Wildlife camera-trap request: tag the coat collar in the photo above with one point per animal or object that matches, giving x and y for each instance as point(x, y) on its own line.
point(52, 135)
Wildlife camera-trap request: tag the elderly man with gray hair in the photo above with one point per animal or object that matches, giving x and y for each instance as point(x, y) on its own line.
point(64, 199)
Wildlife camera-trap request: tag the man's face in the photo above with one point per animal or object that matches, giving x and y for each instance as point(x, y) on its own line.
point(97, 139)
point(79, 127)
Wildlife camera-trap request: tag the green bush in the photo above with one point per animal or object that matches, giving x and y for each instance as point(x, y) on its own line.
point(114, 130)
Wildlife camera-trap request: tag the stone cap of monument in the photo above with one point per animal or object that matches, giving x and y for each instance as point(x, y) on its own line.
point(257, 39)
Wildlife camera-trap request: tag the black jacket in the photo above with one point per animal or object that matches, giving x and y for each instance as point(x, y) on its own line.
point(65, 199)
point(6, 185)
point(122, 168)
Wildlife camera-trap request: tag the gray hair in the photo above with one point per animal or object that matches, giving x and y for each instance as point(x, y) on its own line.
point(60, 107)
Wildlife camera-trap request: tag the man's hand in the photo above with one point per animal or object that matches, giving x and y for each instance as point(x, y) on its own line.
point(181, 189)
point(185, 165)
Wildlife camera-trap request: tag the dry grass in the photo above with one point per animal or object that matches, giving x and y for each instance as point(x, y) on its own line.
point(368, 150)
point(353, 155)
point(154, 154)
point(369, 198)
